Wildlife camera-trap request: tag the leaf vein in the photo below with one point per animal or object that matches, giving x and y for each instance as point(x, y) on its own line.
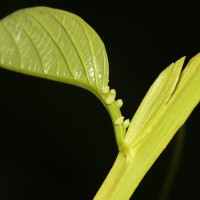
point(73, 43)
point(9, 33)
point(91, 50)
point(53, 40)
point(30, 39)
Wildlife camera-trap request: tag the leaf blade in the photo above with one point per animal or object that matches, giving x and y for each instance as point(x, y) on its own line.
point(54, 44)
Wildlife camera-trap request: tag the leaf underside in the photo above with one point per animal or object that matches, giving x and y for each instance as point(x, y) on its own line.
point(60, 46)
point(53, 44)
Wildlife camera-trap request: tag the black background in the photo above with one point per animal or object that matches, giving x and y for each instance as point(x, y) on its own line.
point(57, 140)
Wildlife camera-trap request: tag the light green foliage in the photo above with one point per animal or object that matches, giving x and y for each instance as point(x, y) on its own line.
point(165, 108)
point(60, 46)
point(154, 102)
point(170, 99)
point(53, 44)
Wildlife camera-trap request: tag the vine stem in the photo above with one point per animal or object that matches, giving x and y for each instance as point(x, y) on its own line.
point(127, 172)
point(113, 108)
point(173, 165)
point(137, 154)
point(109, 185)
point(119, 129)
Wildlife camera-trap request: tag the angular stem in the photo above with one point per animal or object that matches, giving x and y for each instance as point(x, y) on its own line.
point(109, 186)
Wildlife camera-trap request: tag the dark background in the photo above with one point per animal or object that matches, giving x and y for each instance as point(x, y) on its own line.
point(57, 140)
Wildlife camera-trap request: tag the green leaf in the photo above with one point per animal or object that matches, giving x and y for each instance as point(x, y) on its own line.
point(167, 104)
point(154, 102)
point(53, 44)
point(60, 46)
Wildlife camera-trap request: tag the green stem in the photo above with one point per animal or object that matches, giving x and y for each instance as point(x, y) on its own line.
point(174, 163)
point(115, 113)
point(120, 130)
point(131, 165)
point(109, 186)
point(142, 146)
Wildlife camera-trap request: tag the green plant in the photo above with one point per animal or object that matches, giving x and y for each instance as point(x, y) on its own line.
point(60, 46)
